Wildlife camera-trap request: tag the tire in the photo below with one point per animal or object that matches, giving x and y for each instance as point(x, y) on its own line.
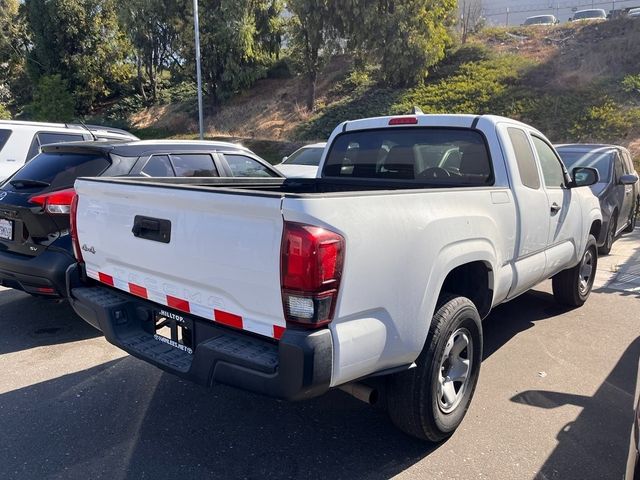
point(573, 286)
point(611, 235)
point(415, 401)
point(634, 218)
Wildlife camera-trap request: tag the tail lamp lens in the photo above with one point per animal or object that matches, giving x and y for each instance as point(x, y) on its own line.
point(311, 267)
point(77, 251)
point(57, 203)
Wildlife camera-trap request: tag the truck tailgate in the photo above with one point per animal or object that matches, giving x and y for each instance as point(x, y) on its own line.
point(218, 260)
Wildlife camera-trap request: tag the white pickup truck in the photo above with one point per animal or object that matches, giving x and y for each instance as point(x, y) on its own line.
point(381, 268)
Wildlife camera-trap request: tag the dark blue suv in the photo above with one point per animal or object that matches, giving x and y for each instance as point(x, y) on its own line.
point(618, 189)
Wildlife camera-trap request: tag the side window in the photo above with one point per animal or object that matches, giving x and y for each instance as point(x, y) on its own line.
point(525, 159)
point(34, 149)
point(4, 136)
point(617, 161)
point(158, 166)
point(47, 138)
point(242, 166)
point(550, 163)
point(194, 165)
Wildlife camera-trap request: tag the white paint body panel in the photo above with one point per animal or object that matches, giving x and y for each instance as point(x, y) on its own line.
point(400, 246)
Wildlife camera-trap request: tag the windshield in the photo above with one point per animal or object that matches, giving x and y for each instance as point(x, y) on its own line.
point(57, 170)
point(539, 20)
point(305, 156)
point(601, 161)
point(590, 14)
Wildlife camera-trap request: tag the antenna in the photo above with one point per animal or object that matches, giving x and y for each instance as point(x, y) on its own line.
point(417, 111)
point(95, 139)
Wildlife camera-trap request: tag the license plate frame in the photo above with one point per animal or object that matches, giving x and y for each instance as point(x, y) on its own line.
point(6, 229)
point(173, 329)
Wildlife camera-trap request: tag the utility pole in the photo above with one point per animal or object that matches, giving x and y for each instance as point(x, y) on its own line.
point(196, 26)
point(507, 23)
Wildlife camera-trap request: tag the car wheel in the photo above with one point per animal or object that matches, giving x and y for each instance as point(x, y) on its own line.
point(573, 286)
point(634, 218)
point(430, 400)
point(611, 236)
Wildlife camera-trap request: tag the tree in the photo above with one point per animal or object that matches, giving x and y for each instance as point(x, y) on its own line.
point(470, 17)
point(312, 31)
point(153, 27)
point(405, 37)
point(239, 39)
point(82, 41)
point(13, 42)
point(52, 101)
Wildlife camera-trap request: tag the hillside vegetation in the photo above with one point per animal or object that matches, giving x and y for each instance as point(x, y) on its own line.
point(573, 82)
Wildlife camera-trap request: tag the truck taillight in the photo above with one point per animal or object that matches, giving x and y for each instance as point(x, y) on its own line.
point(58, 203)
point(77, 251)
point(311, 260)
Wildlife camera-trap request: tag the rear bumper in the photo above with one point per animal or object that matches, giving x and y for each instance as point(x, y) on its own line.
point(41, 275)
point(297, 367)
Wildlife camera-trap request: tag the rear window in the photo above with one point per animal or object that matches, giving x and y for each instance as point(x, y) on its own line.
point(59, 170)
point(4, 136)
point(452, 157)
point(590, 14)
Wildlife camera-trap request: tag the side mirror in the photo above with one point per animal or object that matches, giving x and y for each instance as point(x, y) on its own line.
point(284, 159)
point(584, 177)
point(628, 179)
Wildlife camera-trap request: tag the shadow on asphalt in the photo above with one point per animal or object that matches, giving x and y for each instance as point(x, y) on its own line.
point(516, 316)
point(626, 278)
point(28, 322)
point(127, 420)
point(604, 423)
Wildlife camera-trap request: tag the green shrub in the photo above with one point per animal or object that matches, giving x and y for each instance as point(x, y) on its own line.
point(5, 114)
point(52, 101)
point(606, 122)
point(631, 84)
point(280, 69)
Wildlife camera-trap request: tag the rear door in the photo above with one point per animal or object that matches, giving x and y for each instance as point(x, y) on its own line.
point(218, 257)
point(563, 210)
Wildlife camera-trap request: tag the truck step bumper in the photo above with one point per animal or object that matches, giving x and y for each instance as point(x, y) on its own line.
point(299, 366)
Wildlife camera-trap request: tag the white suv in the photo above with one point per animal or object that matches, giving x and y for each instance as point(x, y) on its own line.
point(21, 141)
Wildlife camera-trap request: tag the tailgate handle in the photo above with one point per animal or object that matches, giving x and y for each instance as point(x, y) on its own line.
point(155, 229)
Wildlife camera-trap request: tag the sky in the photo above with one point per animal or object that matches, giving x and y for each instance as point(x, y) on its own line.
point(496, 10)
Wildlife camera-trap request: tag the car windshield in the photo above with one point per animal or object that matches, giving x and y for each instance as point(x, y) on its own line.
point(601, 161)
point(539, 20)
point(305, 156)
point(589, 14)
point(57, 170)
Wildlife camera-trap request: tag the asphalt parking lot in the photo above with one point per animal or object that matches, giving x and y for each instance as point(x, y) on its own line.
point(554, 401)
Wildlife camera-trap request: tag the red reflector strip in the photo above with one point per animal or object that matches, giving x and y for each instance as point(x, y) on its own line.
point(104, 278)
point(178, 304)
point(219, 316)
point(403, 121)
point(229, 319)
point(278, 332)
point(138, 290)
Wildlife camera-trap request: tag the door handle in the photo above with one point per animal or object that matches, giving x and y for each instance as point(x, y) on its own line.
point(555, 208)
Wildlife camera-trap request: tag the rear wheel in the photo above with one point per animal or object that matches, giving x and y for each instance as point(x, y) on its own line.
point(430, 400)
point(634, 218)
point(611, 236)
point(573, 286)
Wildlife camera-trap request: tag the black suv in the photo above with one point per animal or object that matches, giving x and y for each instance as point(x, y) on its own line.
point(35, 246)
point(618, 189)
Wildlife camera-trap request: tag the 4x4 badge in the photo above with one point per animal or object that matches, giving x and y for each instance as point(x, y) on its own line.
point(88, 249)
